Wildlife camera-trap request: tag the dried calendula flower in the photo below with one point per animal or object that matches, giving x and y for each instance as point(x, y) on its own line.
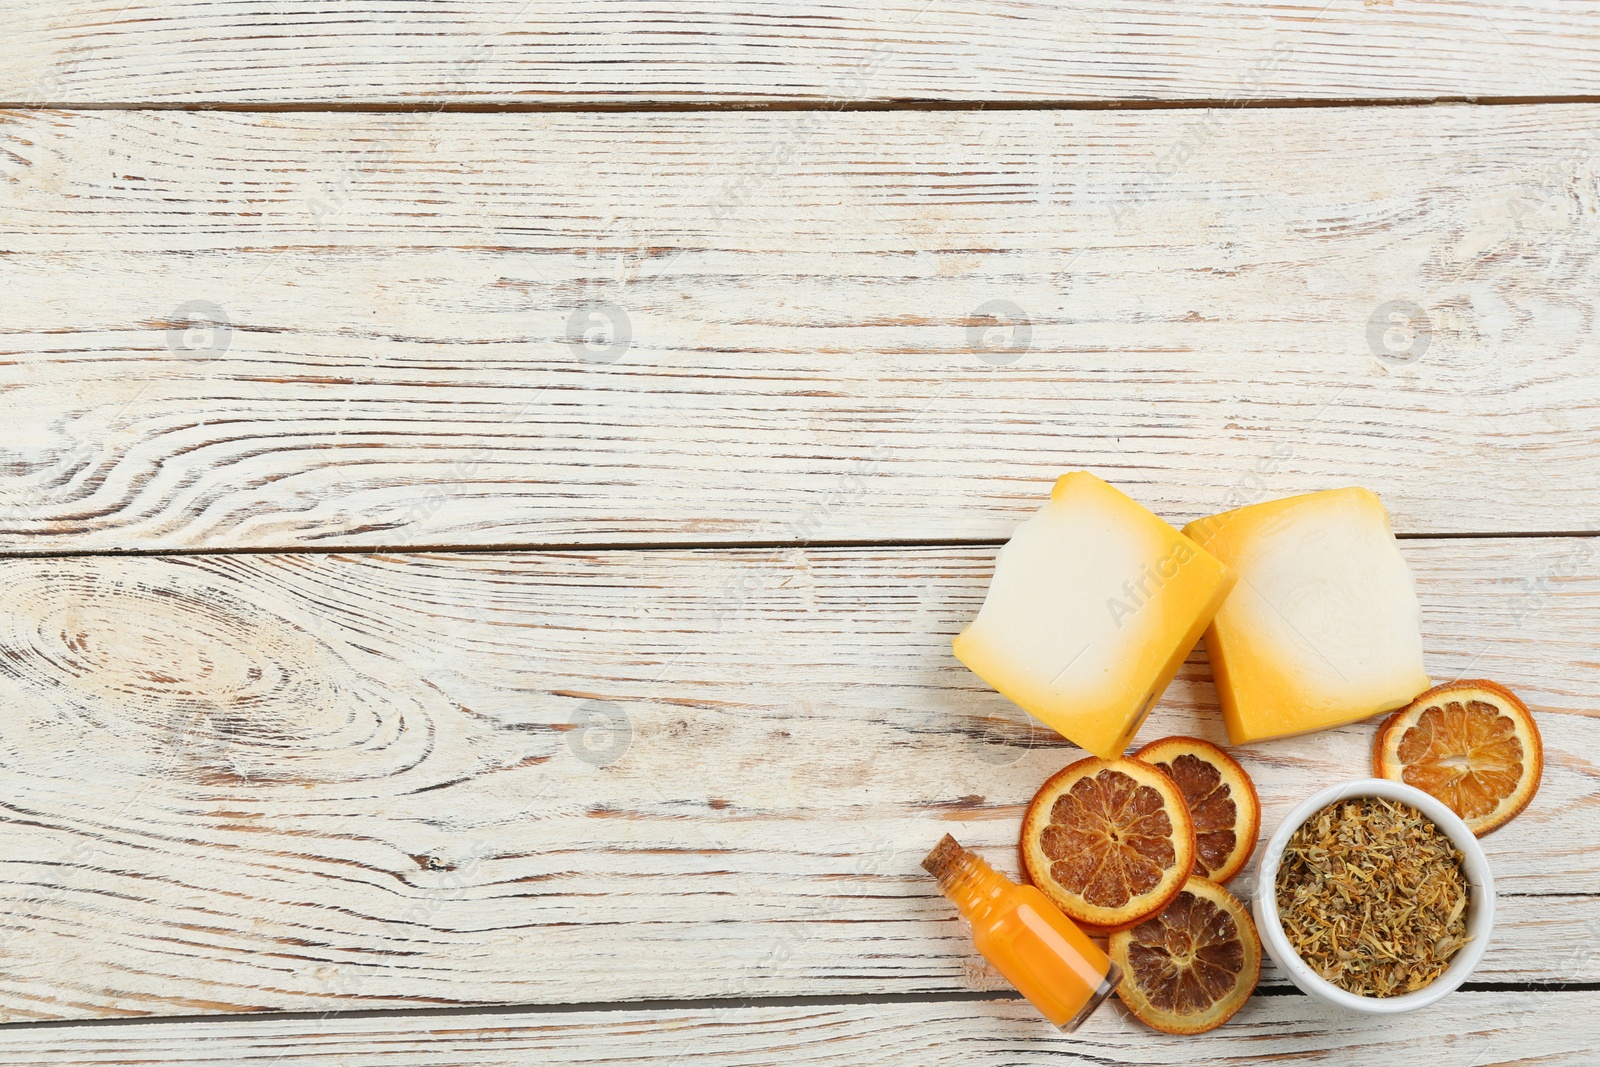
point(1373, 896)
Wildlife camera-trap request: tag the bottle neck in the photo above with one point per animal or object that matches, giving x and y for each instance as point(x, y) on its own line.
point(973, 886)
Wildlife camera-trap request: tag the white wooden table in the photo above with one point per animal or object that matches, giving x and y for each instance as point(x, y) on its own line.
point(487, 489)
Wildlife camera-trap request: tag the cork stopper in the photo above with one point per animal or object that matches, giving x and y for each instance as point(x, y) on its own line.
point(944, 859)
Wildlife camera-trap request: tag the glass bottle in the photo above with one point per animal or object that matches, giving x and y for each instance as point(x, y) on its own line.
point(1027, 938)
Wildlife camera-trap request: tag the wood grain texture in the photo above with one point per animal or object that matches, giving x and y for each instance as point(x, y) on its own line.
point(414, 348)
point(318, 782)
point(628, 51)
point(1467, 1029)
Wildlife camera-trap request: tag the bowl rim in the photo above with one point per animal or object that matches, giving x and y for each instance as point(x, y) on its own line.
point(1480, 906)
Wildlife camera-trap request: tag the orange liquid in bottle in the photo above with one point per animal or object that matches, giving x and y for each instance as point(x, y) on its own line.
point(1038, 949)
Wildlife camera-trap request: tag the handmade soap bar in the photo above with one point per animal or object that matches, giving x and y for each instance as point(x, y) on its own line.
point(1324, 626)
point(1094, 604)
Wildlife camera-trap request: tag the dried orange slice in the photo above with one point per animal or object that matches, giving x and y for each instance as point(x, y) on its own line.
point(1109, 841)
point(1471, 744)
point(1222, 802)
point(1190, 968)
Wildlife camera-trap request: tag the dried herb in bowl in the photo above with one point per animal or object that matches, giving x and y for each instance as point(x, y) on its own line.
point(1373, 896)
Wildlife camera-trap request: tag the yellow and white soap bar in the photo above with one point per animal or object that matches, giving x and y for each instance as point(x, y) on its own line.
point(1324, 627)
point(1094, 604)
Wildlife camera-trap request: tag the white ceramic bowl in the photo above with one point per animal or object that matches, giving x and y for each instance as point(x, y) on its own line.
point(1480, 904)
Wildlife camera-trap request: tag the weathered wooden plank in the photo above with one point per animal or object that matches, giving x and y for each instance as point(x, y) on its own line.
point(1466, 1029)
point(415, 352)
point(630, 51)
point(317, 782)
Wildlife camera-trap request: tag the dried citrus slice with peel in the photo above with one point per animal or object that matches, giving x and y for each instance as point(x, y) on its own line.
point(1109, 841)
point(1222, 802)
point(1190, 968)
point(1471, 744)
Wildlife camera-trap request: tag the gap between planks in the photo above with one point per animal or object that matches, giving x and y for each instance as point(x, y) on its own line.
point(556, 547)
point(423, 107)
point(681, 1004)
